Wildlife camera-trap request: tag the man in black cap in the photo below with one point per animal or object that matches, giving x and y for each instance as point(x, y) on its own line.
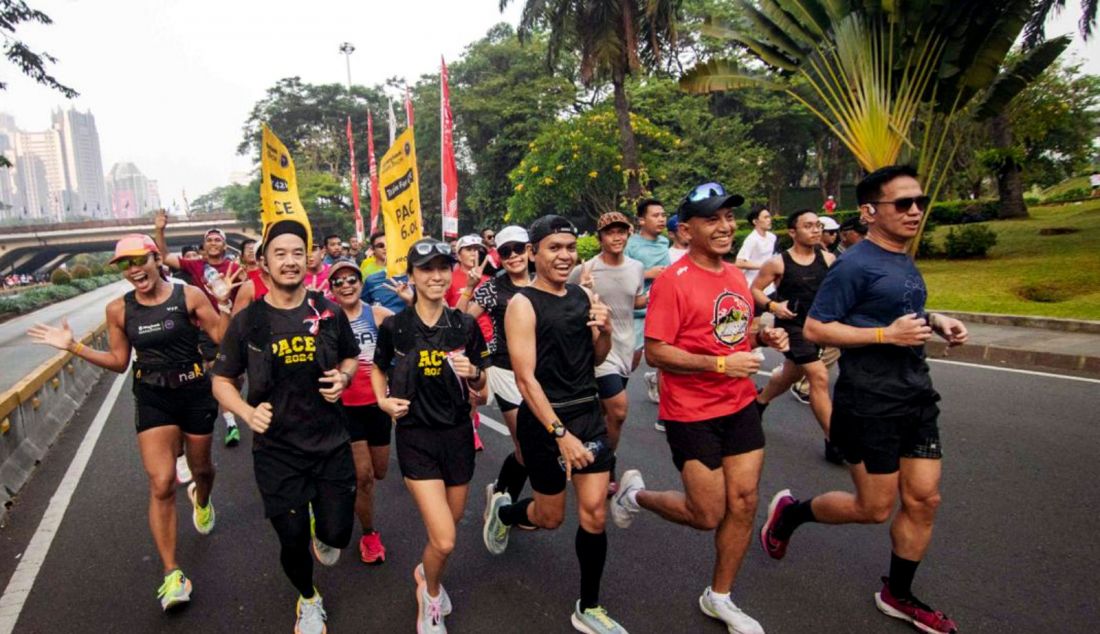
point(698, 333)
point(557, 334)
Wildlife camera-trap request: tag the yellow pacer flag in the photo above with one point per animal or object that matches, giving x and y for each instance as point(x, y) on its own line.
point(399, 184)
point(279, 188)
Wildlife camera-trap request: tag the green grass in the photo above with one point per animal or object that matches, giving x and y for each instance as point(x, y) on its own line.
point(1080, 182)
point(1063, 270)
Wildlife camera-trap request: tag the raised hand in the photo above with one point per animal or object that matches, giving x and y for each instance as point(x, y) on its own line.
point(402, 289)
point(588, 280)
point(160, 220)
point(599, 315)
point(60, 338)
point(473, 278)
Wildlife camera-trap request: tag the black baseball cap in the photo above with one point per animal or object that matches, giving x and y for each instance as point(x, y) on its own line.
point(425, 250)
point(549, 225)
point(704, 201)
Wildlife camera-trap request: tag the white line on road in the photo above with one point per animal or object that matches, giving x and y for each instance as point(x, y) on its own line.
point(494, 425)
point(20, 584)
point(1068, 377)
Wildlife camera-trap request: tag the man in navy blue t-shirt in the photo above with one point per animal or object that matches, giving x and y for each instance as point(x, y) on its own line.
point(884, 422)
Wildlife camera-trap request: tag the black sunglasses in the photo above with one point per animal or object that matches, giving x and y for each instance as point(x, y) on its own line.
point(903, 204)
point(347, 279)
point(380, 245)
point(510, 249)
point(706, 190)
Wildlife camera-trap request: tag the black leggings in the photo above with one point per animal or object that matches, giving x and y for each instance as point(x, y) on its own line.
point(334, 519)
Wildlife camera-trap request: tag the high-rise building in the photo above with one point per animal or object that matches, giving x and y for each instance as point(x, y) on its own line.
point(83, 163)
point(39, 157)
point(132, 195)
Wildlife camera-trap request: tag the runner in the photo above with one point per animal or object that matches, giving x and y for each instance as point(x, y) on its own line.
point(377, 260)
point(299, 352)
point(650, 248)
point(829, 230)
point(699, 334)
point(620, 282)
point(432, 356)
point(492, 298)
point(797, 274)
point(467, 275)
point(368, 425)
point(679, 245)
point(255, 287)
point(884, 422)
point(557, 334)
point(316, 274)
point(334, 248)
point(172, 393)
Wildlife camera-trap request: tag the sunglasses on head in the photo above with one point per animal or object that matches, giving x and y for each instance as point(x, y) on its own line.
point(511, 249)
point(706, 190)
point(351, 280)
point(424, 248)
point(903, 204)
point(133, 260)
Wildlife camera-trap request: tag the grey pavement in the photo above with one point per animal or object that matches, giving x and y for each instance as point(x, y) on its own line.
point(1014, 548)
point(1026, 347)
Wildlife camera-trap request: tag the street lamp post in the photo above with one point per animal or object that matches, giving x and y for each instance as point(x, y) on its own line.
point(347, 49)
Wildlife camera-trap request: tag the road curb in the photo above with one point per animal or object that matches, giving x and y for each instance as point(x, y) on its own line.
point(1024, 321)
point(999, 356)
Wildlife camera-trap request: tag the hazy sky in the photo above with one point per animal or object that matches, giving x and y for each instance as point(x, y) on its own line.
point(171, 81)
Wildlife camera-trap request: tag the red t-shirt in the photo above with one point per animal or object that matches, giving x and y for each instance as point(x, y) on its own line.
point(701, 312)
point(317, 281)
point(454, 293)
point(258, 286)
point(194, 268)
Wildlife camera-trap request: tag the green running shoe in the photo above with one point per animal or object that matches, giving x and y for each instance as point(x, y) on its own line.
point(176, 590)
point(232, 436)
point(595, 621)
point(495, 532)
point(202, 516)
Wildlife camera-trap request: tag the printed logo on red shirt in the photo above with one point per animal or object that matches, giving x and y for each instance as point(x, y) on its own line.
point(731, 318)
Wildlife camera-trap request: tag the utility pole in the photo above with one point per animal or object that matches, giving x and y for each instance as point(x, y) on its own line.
point(347, 49)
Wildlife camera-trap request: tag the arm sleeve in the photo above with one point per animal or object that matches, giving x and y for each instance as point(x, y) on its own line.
point(484, 296)
point(346, 343)
point(383, 352)
point(664, 311)
point(231, 361)
point(839, 290)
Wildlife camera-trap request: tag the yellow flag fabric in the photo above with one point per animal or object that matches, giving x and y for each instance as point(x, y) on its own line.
point(399, 183)
point(279, 188)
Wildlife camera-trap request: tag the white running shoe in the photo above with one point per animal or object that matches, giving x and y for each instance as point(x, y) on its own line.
point(183, 472)
point(723, 609)
point(490, 489)
point(651, 387)
point(326, 555)
point(429, 616)
point(444, 598)
point(659, 426)
point(495, 532)
point(623, 507)
point(311, 615)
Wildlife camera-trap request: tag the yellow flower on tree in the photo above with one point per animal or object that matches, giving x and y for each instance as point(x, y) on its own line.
point(547, 181)
point(535, 169)
point(559, 168)
point(519, 187)
point(593, 174)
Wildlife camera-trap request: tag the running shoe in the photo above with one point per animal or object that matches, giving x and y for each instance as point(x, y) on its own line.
point(659, 426)
point(311, 615)
point(774, 547)
point(623, 508)
point(175, 590)
point(183, 472)
point(232, 435)
point(327, 555)
point(478, 445)
point(723, 609)
point(595, 621)
point(495, 531)
point(429, 614)
point(444, 598)
point(201, 516)
point(912, 610)
point(799, 396)
point(371, 550)
point(490, 489)
point(652, 389)
point(833, 454)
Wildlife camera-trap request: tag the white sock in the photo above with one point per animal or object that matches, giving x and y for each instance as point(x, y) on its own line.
point(230, 419)
point(718, 595)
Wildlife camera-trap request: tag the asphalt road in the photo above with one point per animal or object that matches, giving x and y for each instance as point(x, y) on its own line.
point(1014, 550)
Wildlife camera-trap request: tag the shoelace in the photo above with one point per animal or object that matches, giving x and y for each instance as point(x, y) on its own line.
point(600, 614)
point(435, 609)
point(170, 582)
point(312, 611)
point(502, 530)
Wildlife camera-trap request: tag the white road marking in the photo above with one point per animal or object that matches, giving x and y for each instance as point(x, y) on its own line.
point(1068, 377)
point(20, 584)
point(494, 425)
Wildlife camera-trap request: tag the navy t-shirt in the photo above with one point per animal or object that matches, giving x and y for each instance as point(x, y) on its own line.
point(870, 287)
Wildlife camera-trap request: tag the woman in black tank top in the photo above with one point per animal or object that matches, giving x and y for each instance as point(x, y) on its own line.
point(160, 322)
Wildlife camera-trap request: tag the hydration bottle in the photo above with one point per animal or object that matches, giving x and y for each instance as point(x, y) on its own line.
point(595, 447)
point(214, 281)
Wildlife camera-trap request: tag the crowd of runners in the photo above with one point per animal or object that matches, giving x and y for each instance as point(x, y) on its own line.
point(328, 360)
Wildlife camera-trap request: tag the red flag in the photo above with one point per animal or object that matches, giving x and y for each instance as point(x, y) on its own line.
point(408, 108)
point(448, 175)
point(374, 200)
point(354, 184)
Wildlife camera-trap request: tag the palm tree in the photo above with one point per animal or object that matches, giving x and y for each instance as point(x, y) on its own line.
point(877, 72)
point(613, 39)
point(1035, 31)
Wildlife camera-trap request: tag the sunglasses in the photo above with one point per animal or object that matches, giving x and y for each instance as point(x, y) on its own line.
point(380, 245)
point(424, 248)
point(706, 190)
point(510, 249)
point(134, 260)
point(903, 204)
point(350, 280)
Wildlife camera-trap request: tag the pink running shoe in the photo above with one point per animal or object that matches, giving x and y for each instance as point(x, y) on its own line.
point(371, 550)
point(912, 610)
point(775, 548)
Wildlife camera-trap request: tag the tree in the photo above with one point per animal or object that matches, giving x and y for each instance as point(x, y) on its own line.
point(613, 40)
point(874, 72)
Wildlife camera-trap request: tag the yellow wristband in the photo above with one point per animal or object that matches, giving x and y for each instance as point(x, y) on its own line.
point(76, 349)
point(720, 365)
point(465, 292)
point(880, 336)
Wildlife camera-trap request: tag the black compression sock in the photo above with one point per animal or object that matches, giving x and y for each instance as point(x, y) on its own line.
point(901, 576)
point(512, 477)
point(793, 516)
point(591, 553)
point(512, 514)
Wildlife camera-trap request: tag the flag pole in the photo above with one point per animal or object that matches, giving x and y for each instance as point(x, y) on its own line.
point(442, 188)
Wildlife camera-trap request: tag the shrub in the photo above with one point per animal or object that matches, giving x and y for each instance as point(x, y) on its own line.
point(60, 276)
point(928, 247)
point(960, 212)
point(80, 272)
point(972, 241)
point(1070, 195)
point(96, 269)
point(587, 247)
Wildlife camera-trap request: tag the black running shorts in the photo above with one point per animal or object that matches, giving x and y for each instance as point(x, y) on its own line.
point(436, 453)
point(540, 449)
point(368, 423)
point(800, 351)
point(290, 480)
point(708, 441)
point(881, 442)
point(192, 409)
point(610, 385)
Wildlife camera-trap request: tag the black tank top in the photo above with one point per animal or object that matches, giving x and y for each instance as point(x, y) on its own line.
point(162, 335)
point(799, 286)
point(564, 354)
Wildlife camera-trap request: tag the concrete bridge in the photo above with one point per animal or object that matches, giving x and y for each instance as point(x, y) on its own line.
point(31, 248)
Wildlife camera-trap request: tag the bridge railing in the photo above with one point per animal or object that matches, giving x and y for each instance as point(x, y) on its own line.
point(212, 218)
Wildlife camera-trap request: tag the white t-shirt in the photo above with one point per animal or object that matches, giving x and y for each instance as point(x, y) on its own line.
point(675, 253)
point(757, 249)
point(1094, 180)
point(617, 287)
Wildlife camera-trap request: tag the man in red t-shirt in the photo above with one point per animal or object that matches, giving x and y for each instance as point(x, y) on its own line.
point(698, 332)
point(467, 276)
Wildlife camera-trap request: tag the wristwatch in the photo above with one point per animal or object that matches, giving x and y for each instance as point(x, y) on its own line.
point(557, 429)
